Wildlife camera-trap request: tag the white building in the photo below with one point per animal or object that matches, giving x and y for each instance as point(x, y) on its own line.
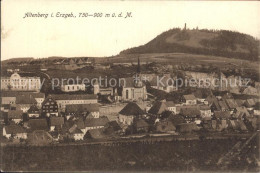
point(21, 82)
point(73, 87)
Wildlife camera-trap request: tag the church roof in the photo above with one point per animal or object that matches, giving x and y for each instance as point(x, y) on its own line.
point(131, 109)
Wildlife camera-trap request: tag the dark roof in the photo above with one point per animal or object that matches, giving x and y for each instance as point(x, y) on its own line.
point(223, 105)
point(141, 123)
point(189, 97)
point(33, 109)
point(80, 123)
point(14, 129)
point(73, 96)
point(15, 114)
point(75, 130)
point(25, 99)
point(202, 93)
point(80, 108)
point(158, 108)
point(56, 121)
point(167, 114)
point(131, 109)
point(240, 112)
point(190, 111)
point(93, 122)
point(164, 126)
point(114, 125)
point(222, 114)
point(204, 107)
point(231, 103)
point(97, 133)
point(17, 93)
point(38, 124)
point(177, 119)
point(240, 102)
point(170, 103)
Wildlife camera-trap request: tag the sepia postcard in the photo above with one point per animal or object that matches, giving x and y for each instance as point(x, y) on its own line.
point(130, 86)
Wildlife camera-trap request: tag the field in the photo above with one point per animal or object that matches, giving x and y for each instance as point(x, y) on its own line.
point(164, 156)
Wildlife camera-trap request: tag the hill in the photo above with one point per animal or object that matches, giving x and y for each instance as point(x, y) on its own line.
point(205, 42)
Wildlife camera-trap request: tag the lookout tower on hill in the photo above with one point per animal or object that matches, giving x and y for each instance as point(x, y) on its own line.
point(185, 26)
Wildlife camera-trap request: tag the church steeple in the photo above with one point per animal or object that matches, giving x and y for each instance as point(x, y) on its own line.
point(138, 67)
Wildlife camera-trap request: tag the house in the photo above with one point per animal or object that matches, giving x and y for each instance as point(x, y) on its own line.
point(73, 87)
point(240, 102)
point(73, 99)
point(129, 113)
point(222, 115)
point(165, 126)
point(56, 123)
point(82, 109)
point(50, 107)
point(76, 133)
point(163, 83)
point(213, 103)
point(25, 102)
point(205, 111)
point(189, 99)
point(202, 93)
point(96, 133)
point(33, 112)
point(15, 115)
point(249, 103)
point(171, 106)
point(37, 124)
point(112, 128)
point(141, 126)
point(190, 113)
point(95, 123)
point(158, 108)
point(250, 91)
point(15, 131)
point(240, 113)
point(231, 103)
point(223, 106)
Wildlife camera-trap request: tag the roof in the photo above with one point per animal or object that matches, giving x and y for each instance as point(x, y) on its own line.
point(170, 103)
point(240, 112)
point(190, 111)
point(15, 114)
point(240, 102)
point(189, 97)
point(222, 114)
point(38, 124)
point(114, 125)
point(204, 107)
point(33, 109)
point(177, 119)
point(141, 123)
point(75, 130)
point(231, 103)
point(202, 93)
point(223, 105)
point(158, 108)
point(250, 102)
point(96, 133)
point(14, 129)
point(56, 121)
point(80, 108)
point(164, 126)
point(17, 93)
point(167, 114)
point(73, 96)
point(25, 99)
point(131, 109)
point(93, 122)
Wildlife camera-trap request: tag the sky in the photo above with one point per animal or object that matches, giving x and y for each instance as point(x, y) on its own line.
point(107, 36)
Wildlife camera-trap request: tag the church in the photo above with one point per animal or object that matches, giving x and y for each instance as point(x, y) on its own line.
point(133, 87)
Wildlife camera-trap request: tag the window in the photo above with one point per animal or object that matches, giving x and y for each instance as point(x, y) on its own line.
point(126, 94)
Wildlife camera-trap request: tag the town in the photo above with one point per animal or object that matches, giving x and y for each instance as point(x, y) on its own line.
point(140, 109)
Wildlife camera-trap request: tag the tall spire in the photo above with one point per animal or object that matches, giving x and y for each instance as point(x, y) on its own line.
point(138, 66)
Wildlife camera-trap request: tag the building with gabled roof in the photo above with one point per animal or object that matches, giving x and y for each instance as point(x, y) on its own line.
point(141, 125)
point(33, 112)
point(38, 124)
point(231, 103)
point(56, 123)
point(189, 99)
point(50, 107)
point(82, 109)
point(222, 115)
point(129, 113)
point(158, 108)
point(15, 115)
point(67, 99)
point(95, 123)
point(14, 131)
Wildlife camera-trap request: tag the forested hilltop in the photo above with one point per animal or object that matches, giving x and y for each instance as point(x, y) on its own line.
point(206, 42)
